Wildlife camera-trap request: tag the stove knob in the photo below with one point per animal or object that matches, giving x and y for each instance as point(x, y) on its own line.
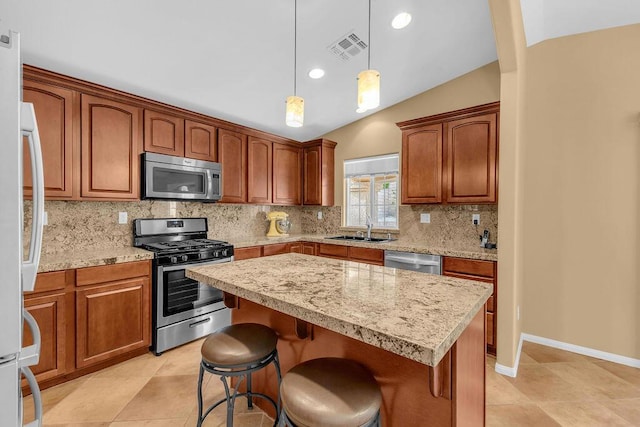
point(225, 252)
point(174, 260)
point(202, 255)
point(216, 254)
point(184, 258)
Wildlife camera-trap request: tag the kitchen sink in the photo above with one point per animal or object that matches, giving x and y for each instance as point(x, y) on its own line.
point(359, 239)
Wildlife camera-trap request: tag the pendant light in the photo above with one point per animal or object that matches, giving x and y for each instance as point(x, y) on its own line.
point(295, 104)
point(368, 80)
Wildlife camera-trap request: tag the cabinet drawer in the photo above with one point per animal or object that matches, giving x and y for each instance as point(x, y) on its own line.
point(52, 281)
point(308, 248)
point(371, 256)
point(278, 248)
point(110, 273)
point(469, 267)
point(333, 251)
point(247, 253)
point(490, 336)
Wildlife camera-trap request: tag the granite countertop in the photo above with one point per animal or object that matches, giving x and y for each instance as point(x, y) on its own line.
point(89, 258)
point(415, 315)
point(395, 245)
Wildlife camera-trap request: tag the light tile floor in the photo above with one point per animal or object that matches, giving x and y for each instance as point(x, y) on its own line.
point(553, 388)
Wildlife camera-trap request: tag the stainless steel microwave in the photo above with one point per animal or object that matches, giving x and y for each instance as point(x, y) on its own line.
point(179, 178)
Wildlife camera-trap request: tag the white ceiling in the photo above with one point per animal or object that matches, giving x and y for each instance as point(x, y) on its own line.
point(234, 59)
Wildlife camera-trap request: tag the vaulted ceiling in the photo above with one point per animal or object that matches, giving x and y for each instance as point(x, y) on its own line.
point(234, 59)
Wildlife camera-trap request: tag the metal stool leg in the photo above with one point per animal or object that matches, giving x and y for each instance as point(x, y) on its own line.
point(200, 376)
point(249, 396)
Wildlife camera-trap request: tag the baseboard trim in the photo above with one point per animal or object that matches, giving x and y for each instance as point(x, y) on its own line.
point(511, 371)
point(586, 351)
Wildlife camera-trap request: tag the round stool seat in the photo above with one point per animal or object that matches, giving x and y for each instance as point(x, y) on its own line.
point(330, 392)
point(240, 344)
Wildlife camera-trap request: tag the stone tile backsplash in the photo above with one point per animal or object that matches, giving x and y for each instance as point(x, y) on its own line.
point(93, 225)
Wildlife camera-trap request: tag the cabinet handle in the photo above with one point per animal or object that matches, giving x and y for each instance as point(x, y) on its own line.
point(194, 324)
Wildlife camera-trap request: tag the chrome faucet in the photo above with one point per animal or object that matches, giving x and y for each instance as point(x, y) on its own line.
point(369, 224)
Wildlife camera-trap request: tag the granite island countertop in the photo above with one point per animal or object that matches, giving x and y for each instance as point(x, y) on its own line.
point(403, 245)
point(415, 315)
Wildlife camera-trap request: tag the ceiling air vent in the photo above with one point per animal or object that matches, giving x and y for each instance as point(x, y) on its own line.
point(347, 46)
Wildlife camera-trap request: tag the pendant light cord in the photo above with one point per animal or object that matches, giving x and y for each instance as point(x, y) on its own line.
point(369, 40)
point(295, 45)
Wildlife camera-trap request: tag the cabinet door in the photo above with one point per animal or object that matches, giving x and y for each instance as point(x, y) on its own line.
point(312, 189)
point(54, 110)
point(287, 174)
point(163, 133)
point(200, 141)
point(366, 255)
point(471, 152)
point(111, 142)
point(112, 319)
point(259, 170)
point(308, 248)
point(422, 165)
point(232, 155)
point(49, 312)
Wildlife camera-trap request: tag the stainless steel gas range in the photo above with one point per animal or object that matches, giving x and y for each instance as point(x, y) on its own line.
point(183, 309)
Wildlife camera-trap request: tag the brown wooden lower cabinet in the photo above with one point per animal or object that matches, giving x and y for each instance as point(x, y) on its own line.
point(247, 253)
point(483, 271)
point(50, 313)
point(351, 253)
point(306, 248)
point(275, 249)
point(333, 251)
point(112, 319)
point(89, 318)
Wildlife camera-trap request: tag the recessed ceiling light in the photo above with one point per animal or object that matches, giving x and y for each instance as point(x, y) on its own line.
point(401, 20)
point(361, 110)
point(316, 73)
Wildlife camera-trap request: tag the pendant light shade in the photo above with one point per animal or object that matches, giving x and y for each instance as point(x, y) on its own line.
point(295, 111)
point(368, 80)
point(368, 89)
point(294, 116)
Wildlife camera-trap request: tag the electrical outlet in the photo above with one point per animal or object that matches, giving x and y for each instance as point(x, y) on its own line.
point(319, 214)
point(45, 218)
point(475, 218)
point(122, 218)
point(425, 218)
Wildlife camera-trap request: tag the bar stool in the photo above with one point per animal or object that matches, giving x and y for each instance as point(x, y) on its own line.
point(237, 351)
point(329, 392)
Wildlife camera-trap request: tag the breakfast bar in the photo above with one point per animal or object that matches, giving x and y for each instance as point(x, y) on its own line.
point(422, 336)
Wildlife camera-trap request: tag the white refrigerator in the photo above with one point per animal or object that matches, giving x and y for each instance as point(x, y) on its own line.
point(17, 274)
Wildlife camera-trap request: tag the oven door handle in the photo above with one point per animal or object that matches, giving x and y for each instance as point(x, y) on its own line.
point(183, 266)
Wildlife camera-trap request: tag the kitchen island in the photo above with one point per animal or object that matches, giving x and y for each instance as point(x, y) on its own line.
point(422, 336)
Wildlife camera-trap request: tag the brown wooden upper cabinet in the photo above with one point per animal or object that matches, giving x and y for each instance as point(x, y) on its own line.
point(260, 170)
point(287, 174)
point(451, 157)
point(110, 147)
point(232, 155)
point(318, 174)
point(54, 107)
point(200, 141)
point(163, 133)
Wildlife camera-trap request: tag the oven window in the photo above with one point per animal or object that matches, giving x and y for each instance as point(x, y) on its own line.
point(182, 293)
point(176, 181)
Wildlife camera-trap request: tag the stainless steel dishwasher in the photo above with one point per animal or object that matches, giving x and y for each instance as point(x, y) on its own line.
point(422, 263)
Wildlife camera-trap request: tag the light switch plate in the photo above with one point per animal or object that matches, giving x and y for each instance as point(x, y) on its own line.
point(425, 218)
point(475, 219)
point(122, 218)
point(319, 214)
